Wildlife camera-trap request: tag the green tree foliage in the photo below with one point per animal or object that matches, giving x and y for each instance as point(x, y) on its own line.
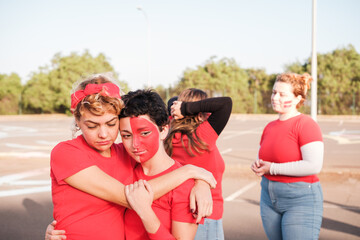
point(48, 91)
point(218, 78)
point(338, 80)
point(260, 87)
point(10, 93)
point(163, 92)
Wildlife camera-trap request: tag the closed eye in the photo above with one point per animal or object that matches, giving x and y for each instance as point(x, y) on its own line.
point(125, 136)
point(145, 133)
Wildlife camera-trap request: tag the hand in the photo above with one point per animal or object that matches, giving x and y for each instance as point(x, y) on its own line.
point(140, 196)
point(202, 174)
point(261, 167)
point(52, 234)
point(176, 110)
point(201, 202)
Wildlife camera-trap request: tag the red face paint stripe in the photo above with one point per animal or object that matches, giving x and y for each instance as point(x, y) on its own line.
point(287, 102)
point(149, 144)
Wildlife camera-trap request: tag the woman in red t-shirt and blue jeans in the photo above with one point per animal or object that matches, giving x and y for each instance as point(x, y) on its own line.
point(291, 154)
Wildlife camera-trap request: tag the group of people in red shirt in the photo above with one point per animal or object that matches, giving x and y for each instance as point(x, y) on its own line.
point(164, 180)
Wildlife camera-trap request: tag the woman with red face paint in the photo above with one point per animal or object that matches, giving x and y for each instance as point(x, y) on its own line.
point(143, 128)
point(291, 154)
point(198, 122)
point(89, 172)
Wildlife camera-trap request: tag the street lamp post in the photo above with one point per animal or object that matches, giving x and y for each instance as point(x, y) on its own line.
point(314, 65)
point(148, 47)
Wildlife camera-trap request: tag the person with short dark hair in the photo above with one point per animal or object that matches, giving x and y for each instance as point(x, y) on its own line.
point(143, 128)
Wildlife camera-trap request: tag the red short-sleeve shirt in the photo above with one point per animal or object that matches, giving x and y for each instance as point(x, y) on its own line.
point(210, 160)
point(82, 215)
point(174, 205)
point(281, 142)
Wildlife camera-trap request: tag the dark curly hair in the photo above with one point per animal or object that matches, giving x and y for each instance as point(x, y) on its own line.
point(145, 102)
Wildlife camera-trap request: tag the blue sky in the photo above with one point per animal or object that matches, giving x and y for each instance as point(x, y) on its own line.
point(183, 34)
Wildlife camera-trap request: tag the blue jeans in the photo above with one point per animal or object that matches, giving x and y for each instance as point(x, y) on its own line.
point(291, 210)
point(210, 230)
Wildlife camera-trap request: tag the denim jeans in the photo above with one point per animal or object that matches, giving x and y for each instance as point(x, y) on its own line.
point(210, 230)
point(291, 210)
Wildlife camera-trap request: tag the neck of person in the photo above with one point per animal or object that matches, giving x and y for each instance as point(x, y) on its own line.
point(290, 114)
point(158, 163)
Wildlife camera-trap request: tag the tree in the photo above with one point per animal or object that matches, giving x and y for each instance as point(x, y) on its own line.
point(48, 91)
point(338, 84)
point(219, 78)
point(10, 93)
point(260, 86)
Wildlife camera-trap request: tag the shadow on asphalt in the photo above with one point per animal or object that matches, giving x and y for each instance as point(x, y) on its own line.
point(340, 226)
point(345, 207)
point(26, 225)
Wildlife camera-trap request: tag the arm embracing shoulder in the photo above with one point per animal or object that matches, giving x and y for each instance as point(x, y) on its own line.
point(167, 182)
point(71, 163)
point(94, 181)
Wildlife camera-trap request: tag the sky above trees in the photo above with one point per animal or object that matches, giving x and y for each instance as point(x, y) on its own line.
point(183, 34)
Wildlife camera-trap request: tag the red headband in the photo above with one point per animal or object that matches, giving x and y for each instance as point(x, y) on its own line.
point(110, 90)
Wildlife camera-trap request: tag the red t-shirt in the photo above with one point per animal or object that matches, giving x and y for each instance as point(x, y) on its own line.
point(210, 160)
point(174, 205)
point(281, 142)
point(82, 215)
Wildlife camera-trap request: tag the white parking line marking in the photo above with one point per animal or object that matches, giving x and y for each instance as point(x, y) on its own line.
point(49, 143)
point(16, 192)
point(30, 182)
point(226, 151)
point(25, 154)
point(341, 140)
point(344, 136)
point(22, 146)
point(240, 191)
point(13, 180)
point(239, 133)
point(17, 176)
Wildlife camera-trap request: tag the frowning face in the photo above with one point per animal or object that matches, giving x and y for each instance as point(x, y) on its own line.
point(100, 132)
point(140, 136)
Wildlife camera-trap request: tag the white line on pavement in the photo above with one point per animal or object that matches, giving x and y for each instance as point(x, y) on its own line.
point(17, 176)
point(240, 191)
point(226, 151)
point(22, 146)
point(25, 154)
point(239, 133)
point(16, 192)
point(30, 182)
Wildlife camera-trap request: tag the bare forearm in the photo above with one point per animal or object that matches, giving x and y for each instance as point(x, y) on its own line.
point(150, 220)
point(165, 183)
point(94, 181)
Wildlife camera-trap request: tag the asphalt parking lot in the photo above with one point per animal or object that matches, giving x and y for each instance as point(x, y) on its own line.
point(25, 197)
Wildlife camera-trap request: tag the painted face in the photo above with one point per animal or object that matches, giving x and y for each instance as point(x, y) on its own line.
point(140, 137)
point(283, 99)
point(100, 132)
